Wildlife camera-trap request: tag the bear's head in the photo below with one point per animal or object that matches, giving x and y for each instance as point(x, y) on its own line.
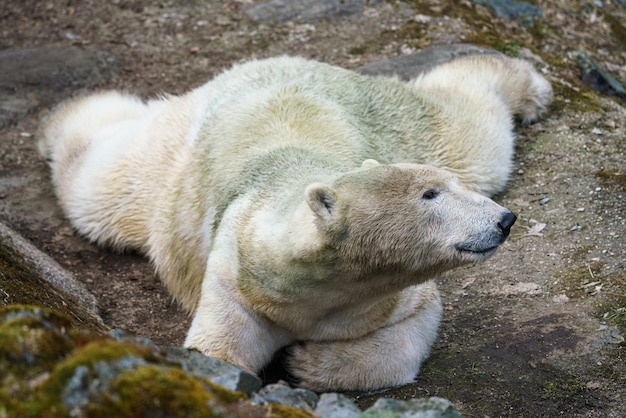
point(408, 221)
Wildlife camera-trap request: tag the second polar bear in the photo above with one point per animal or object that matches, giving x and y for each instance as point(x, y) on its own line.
point(290, 203)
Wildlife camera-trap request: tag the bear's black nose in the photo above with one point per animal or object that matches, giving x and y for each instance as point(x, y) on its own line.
point(505, 224)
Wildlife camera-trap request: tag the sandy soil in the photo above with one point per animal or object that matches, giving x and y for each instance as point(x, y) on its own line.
point(538, 330)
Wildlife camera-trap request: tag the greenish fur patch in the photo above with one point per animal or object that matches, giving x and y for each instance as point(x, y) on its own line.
point(271, 172)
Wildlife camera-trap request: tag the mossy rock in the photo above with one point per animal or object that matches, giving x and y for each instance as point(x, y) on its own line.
point(48, 368)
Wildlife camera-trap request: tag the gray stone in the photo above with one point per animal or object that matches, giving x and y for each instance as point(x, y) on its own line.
point(335, 405)
point(125, 336)
point(276, 11)
point(33, 77)
point(410, 66)
point(511, 9)
point(217, 371)
point(89, 382)
point(414, 408)
point(53, 67)
point(597, 78)
point(281, 393)
point(29, 276)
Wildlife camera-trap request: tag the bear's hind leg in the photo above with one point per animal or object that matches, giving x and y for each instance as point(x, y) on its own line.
point(68, 131)
point(524, 91)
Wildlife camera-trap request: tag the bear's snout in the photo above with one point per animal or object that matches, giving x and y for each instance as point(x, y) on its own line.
point(505, 224)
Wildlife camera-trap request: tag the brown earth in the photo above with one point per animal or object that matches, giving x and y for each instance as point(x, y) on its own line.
point(538, 330)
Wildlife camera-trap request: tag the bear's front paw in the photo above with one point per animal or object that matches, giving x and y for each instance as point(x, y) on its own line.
point(316, 368)
point(342, 365)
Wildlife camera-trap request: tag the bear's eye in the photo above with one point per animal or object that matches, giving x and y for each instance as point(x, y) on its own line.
point(430, 194)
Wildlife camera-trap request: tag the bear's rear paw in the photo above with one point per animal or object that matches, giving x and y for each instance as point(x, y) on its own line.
point(536, 100)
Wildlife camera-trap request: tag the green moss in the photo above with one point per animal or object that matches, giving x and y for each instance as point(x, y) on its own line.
point(27, 344)
point(477, 369)
point(575, 98)
point(611, 303)
point(32, 340)
point(283, 411)
point(572, 281)
point(48, 368)
point(617, 29)
point(612, 178)
point(612, 370)
point(409, 34)
point(97, 350)
point(562, 389)
point(153, 391)
point(510, 48)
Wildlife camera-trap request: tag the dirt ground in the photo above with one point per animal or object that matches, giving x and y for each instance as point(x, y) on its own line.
point(538, 330)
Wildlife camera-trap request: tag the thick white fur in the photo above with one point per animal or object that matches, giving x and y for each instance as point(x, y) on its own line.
point(249, 196)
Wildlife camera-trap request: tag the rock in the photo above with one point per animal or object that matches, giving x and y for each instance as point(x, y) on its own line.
point(596, 78)
point(414, 408)
point(197, 364)
point(511, 9)
point(32, 277)
point(335, 405)
point(33, 77)
point(410, 66)
point(54, 67)
point(216, 370)
point(280, 393)
point(47, 368)
point(277, 11)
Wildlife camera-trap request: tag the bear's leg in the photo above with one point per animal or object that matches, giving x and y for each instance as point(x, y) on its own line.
point(224, 329)
point(223, 326)
point(387, 357)
point(525, 92)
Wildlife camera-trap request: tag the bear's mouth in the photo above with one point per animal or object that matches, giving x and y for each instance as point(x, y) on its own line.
point(473, 249)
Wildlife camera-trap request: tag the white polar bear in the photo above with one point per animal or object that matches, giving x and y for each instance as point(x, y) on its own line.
point(283, 205)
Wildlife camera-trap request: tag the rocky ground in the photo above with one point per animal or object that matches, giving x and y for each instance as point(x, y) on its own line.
point(538, 330)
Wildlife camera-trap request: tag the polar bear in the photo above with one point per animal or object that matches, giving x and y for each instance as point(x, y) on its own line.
point(291, 203)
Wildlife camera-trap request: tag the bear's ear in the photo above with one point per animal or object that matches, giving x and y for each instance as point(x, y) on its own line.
point(370, 163)
point(321, 199)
